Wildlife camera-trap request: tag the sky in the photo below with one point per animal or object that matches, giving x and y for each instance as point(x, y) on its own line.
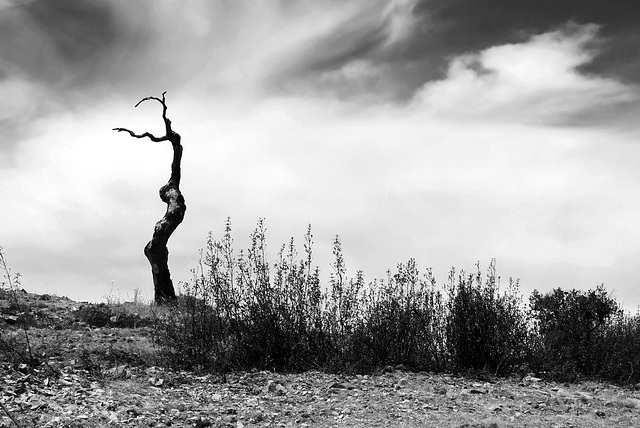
point(449, 131)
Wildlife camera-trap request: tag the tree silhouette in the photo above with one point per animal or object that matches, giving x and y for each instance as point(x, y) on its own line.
point(156, 250)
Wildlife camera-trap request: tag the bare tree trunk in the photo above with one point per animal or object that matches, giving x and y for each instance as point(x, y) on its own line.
point(156, 250)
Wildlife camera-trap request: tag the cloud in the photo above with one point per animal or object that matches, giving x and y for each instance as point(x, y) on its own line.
point(349, 32)
point(52, 54)
point(58, 56)
point(64, 55)
point(537, 82)
point(18, 107)
point(56, 46)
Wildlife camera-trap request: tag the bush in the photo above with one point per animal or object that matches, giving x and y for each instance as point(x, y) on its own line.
point(111, 315)
point(402, 321)
point(567, 326)
point(190, 335)
point(485, 329)
point(617, 345)
point(95, 315)
point(241, 312)
point(234, 315)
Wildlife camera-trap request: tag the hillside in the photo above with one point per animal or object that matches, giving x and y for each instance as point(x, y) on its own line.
point(95, 365)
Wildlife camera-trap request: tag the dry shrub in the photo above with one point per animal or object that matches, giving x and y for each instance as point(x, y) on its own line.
point(486, 329)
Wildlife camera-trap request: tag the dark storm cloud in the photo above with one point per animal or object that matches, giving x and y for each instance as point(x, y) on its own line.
point(65, 49)
point(444, 29)
point(356, 36)
point(70, 52)
point(58, 41)
point(53, 53)
point(64, 54)
point(377, 37)
point(461, 26)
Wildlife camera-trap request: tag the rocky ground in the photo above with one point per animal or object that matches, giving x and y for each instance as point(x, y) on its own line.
point(106, 376)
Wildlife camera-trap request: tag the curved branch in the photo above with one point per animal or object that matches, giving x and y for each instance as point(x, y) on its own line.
point(167, 122)
point(161, 101)
point(169, 133)
point(146, 134)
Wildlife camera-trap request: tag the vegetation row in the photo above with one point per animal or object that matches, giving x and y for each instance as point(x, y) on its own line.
point(241, 311)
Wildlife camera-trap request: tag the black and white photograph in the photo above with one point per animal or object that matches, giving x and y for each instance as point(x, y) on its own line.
point(319, 213)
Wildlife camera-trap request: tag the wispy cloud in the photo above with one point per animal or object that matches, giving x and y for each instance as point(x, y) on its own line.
point(61, 55)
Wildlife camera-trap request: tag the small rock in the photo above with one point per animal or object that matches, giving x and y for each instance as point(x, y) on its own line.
point(600, 414)
point(270, 386)
point(280, 389)
point(584, 397)
point(156, 381)
point(64, 382)
point(118, 371)
point(133, 412)
point(203, 423)
point(342, 385)
point(10, 319)
point(257, 418)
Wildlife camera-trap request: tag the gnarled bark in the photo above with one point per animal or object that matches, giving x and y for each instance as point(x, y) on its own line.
point(156, 250)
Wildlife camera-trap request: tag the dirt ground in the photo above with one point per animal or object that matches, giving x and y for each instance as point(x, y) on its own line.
point(131, 392)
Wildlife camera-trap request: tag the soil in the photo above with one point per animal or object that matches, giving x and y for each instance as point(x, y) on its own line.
point(105, 376)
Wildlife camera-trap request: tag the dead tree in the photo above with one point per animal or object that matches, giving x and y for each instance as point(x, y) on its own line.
point(156, 250)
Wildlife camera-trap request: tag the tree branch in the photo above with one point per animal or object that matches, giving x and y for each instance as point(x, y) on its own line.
point(161, 101)
point(146, 134)
point(167, 122)
point(169, 134)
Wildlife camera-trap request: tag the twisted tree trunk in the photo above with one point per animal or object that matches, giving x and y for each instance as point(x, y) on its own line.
point(156, 250)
